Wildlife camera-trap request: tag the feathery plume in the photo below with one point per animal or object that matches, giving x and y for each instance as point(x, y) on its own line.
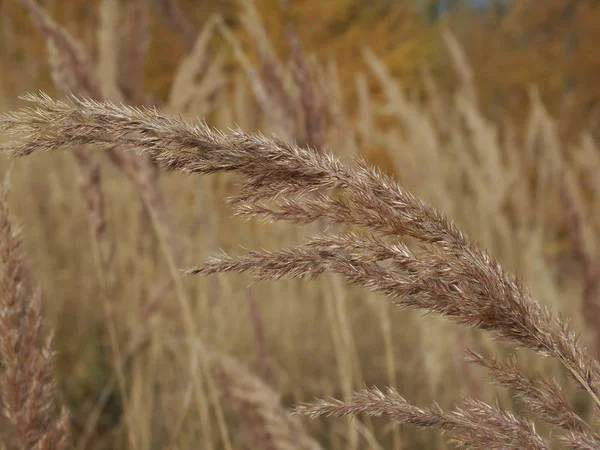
point(474, 424)
point(446, 274)
point(28, 380)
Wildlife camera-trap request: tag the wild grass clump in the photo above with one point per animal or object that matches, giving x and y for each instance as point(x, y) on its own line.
point(443, 273)
point(149, 358)
point(28, 379)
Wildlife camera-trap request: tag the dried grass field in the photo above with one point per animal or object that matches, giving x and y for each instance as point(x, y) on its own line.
point(264, 254)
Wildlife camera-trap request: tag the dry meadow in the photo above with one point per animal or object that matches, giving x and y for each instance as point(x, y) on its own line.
point(262, 243)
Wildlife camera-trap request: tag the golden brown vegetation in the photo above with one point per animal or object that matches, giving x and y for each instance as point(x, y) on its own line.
point(149, 358)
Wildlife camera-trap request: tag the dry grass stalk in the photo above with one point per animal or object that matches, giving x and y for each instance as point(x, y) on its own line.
point(188, 94)
point(544, 397)
point(580, 441)
point(178, 20)
point(274, 169)
point(28, 379)
point(261, 90)
point(447, 274)
point(286, 94)
point(90, 182)
point(137, 38)
point(272, 84)
point(79, 77)
point(274, 75)
point(108, 49)
point(266, 369)
point(309, 100)
point(474, 424)
point(341, 126)
point(587, 259)
point(577, 226)
point(71, 72)
point(461, 65)
point(259, 406)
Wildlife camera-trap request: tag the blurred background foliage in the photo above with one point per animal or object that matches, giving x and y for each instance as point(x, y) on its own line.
point(511, 45)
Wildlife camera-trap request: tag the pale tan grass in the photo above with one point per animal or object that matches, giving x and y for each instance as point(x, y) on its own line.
point(108, 49)
point(135, 42)
point(28, 379)
point(73, 72)
point(447, 274)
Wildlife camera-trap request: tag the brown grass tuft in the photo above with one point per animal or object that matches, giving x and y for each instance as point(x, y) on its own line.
point(27, 382)
point(445, 273)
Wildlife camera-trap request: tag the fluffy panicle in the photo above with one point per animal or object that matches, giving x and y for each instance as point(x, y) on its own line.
point(271, 425)
point(473, 425)
point(544, 397)
point(446, 273)
point(27, 381)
